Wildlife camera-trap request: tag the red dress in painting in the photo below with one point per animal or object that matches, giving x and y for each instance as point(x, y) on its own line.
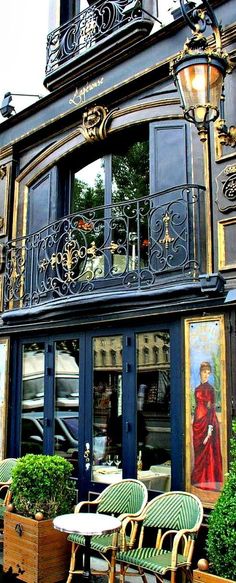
point(207, 471)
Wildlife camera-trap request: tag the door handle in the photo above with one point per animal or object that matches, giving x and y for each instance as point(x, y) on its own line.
point(87, 455)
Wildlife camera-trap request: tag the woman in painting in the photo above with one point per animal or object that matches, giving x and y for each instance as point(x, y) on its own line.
point(207, 471)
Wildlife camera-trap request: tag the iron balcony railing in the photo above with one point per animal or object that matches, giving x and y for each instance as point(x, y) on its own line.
point(89, 28)
point(143, 243)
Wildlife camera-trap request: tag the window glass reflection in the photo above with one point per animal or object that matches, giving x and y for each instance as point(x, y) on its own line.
point(88, 187)
point(130, 182)
point(153, 409)
point(67, 400)
point(107, 411)
point(33, 364)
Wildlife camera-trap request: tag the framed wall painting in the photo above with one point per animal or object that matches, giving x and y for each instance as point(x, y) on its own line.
point(4, 377)
point(205, 390)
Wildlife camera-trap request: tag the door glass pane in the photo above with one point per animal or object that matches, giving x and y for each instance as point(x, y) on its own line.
point(107, 409)
point(67, 400)
point(32, 398)
point(153, 409)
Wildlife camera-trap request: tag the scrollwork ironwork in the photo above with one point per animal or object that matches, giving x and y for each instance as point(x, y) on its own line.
point(88, 28)
point(130, 245)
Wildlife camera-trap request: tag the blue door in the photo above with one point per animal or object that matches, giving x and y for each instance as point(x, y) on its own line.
point(108, 401)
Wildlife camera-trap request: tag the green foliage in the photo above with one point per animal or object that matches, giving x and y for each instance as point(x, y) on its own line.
point(221, 539)
point(42, 483)
point(131, 173)
point(130, 180)
point(87, 197)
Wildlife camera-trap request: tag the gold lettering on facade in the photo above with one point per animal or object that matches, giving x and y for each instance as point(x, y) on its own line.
point(79, 96)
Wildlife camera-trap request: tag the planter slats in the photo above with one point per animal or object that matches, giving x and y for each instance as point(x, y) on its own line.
point(40, 555)
point(205, 577)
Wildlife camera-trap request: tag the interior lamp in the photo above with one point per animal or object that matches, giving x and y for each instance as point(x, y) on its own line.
point(199, 71)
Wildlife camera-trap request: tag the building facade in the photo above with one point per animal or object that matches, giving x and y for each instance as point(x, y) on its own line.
point(118, 258)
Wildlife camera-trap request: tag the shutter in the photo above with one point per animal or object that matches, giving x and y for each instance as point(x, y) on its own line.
point(172, 227)
point(169, 154)
point(42, 202)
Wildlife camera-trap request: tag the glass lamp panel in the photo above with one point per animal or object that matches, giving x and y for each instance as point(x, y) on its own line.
point(199, 88)
point(216, 81)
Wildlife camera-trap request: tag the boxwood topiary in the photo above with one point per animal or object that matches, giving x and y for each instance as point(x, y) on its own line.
point(42, 483)
point(221, 538)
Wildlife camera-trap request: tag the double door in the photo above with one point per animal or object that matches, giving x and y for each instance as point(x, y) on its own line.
point(108, 401)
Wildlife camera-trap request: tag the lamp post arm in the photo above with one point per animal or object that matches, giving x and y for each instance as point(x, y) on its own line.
point(198, 18)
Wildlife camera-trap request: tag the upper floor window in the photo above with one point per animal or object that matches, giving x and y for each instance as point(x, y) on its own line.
point(112, 179)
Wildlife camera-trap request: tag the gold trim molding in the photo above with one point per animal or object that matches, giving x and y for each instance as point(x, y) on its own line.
point(222, 226)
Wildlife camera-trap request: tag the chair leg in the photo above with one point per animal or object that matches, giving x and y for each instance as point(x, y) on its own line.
point(173, 577)
point(112, 573)
point(122, 573)
point(72, 562)
point(142, 574)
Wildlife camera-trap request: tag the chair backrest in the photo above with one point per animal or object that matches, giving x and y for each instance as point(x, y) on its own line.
point(6, 466)
point(124, 497)
point(174, 511)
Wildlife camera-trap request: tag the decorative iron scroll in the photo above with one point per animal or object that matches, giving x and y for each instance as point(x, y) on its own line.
point(85, 30)
point(134, 244)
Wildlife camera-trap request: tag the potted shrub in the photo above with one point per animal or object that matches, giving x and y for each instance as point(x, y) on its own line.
point(221, 537)
point(41, 489)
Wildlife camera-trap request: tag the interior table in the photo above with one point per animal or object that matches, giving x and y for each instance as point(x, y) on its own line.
point(88, 525)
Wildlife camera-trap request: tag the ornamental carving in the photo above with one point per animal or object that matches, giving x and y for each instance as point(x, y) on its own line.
point(226, 189)
point(95, 122)
point(3, 171)
point(229, 188)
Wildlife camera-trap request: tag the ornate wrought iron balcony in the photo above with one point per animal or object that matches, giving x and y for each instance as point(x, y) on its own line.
point(151, 242)
point(91, 31)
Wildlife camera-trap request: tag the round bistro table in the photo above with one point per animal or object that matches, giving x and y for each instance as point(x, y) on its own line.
point(88, 525)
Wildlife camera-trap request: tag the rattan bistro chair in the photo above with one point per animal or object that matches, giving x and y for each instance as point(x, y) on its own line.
point(174, 518)
point(6, 467)
point(126, 500)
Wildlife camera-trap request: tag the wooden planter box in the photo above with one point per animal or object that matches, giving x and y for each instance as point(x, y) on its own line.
point(34, 550)
point(205, 577)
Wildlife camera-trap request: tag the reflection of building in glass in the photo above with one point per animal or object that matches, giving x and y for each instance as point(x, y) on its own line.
point(152, 350)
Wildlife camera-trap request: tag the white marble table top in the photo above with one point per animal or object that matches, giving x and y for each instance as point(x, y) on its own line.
point(87, 524)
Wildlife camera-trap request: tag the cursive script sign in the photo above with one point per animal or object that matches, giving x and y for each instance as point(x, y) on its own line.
point(80, 94)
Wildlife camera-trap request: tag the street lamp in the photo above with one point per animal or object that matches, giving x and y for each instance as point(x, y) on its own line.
point(8, 110)
point(199, 71)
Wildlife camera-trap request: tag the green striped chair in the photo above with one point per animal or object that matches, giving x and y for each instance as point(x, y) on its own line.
point(126, 500)
point(174, 518)
point(6, 467)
